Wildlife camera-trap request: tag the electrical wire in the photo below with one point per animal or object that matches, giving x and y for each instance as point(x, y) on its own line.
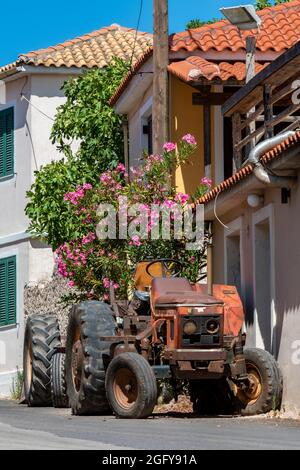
point(23, 97)
point(136, 32)
point(215, 212)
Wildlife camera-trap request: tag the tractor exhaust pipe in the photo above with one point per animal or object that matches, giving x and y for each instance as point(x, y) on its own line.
point(210, 280)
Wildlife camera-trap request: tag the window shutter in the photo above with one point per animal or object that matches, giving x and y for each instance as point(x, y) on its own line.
point(2, 293)
point(7, 142)
point(2, 152)
point(8, 301)
point(11, 291)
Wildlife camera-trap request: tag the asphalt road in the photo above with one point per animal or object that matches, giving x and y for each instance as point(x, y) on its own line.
point(47, 428)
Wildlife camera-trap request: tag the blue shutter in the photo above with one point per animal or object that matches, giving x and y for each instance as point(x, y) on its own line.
point(8, 299)
point(7, 142)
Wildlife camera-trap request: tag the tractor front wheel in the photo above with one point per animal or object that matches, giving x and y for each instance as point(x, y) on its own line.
point(264, 390)
point(131, 386)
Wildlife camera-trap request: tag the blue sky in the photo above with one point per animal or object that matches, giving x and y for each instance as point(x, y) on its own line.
point(35, 23)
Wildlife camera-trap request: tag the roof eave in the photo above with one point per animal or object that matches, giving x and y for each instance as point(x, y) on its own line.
point(135, 89)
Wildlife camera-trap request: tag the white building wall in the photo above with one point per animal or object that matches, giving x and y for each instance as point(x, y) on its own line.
point(33, 148)
point(11, 337)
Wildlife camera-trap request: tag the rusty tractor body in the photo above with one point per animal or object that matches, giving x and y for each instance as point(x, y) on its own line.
point(169, 330)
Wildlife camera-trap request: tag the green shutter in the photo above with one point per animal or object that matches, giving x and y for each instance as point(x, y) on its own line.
point(8, 301)
point(2, 294)
point(6, 142)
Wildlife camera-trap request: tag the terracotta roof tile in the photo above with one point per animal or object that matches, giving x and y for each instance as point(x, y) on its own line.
point(248, 170)
point(95, 49)
point(196, 68)
point(280, 30)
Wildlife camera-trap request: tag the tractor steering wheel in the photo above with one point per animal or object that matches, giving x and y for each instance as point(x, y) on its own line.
point(168, 266)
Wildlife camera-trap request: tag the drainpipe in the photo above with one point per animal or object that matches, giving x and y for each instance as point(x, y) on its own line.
point(259, 170)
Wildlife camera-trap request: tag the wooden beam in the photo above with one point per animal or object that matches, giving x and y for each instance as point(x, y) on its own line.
point(213, 99)
point(280, 117)
point(252, 117)
point(236, 136)
point(160, 109)
point(239, 145)
point(282, 93)
point(268, 106)
point(207, 136)
point(277, 72)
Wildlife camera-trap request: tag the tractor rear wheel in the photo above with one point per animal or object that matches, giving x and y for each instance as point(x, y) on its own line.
point(85, 357)
point(264, 392)
point(131, 386)
point(58, 381)
point(211, 397)
point(42, 338)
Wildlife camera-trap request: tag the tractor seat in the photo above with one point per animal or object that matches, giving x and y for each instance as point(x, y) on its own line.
point(170, 291)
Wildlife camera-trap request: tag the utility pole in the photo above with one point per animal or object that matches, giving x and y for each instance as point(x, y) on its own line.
point(160, 107)
point(250, 73)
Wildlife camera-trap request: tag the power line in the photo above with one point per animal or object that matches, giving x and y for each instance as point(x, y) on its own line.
point(23, 97)
point(136, 31)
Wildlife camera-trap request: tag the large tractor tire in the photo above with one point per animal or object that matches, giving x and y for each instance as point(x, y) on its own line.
point(58, 381)
point(85, 357)
point(42, 338)
point(265, 389)
point(131, 386)
point(211, 397)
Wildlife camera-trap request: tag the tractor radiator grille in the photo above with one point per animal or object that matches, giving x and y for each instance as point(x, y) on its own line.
point(201, 330)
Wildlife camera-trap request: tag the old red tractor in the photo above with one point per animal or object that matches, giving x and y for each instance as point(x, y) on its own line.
point(116, 352)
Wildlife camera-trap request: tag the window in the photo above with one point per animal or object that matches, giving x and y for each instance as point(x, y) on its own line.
point(8, 301)
point(6, 142)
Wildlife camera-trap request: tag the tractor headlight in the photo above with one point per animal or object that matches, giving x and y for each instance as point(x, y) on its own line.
point(212, 326)
point(190, 328)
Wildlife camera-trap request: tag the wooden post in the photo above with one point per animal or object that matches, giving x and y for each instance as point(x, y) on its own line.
point(250, 57)
point(236, 138)
point(126, 142)
point(250, 73)
point(160, 109)
point(268, 111)
point(207, 140)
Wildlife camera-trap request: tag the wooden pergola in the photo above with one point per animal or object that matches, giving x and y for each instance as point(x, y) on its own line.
point(265, 105)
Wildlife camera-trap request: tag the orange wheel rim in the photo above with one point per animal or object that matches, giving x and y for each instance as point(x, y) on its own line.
point(29, 360)
point(252, 393)
point(125, 388)
point(77, 360)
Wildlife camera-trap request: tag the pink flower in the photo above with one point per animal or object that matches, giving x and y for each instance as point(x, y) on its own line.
point(206, 181)
point(182, 198)
point(90, 237)
point(121, 168)
point(169, 204)
point(189, 139)
point(135, 241)
point(71, 284)
point(105, 297)
point(169, 147)
point(106, 283)
point(87, 186)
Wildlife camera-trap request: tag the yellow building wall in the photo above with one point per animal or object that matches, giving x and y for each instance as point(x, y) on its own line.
point(188, 119)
